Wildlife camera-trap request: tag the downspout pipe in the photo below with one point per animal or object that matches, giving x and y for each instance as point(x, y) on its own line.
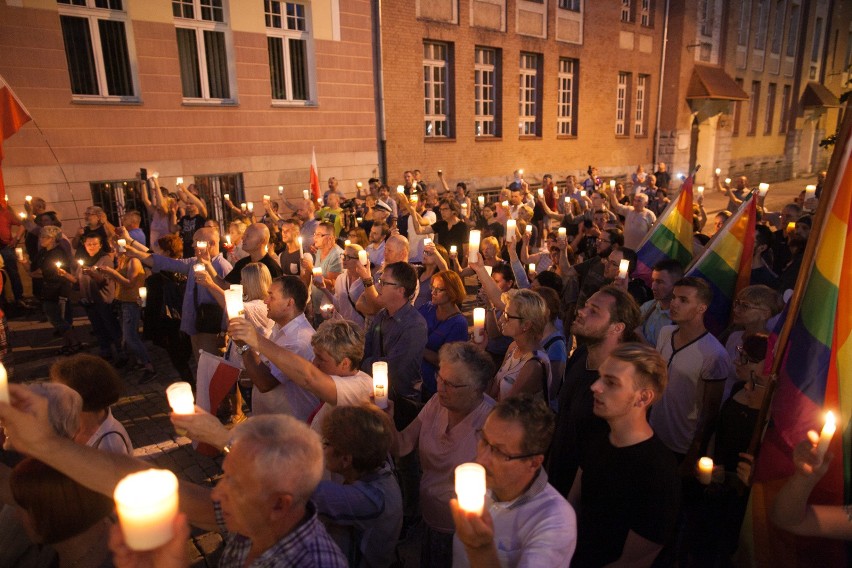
point(378, 86)
point(662, 81)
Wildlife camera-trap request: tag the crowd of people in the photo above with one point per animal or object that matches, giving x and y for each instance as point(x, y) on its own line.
point(587, 394)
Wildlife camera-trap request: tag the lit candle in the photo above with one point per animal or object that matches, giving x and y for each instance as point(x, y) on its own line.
point(623, 267)
point(470, 487)
point(250, 206)
point(541, 192)
point(612, 184)
point(327, 310)
point(122, 243)
point(19, 253)
point(427, 241)
point(347, 242)
point(700, 190)
point(80, 261)
point(791, 226)
point(505, 204)
point(359, 185)
point(380, 384)
point(567, 200)
point(562, 233)
point(762, 189)
point(317, 272)
point(228, 239)
point(201, 244)
point(143, 295)
point(582, 193)
point(463, 205)
point(718, 171)
point(155, 175)
point(473, 246)
point(280, 190)
point(58, 265)
point(306, 194)
point(400, 189)
point(234, 301)
point(826, 435)
point(179, 181)
point(243, 206)
point(4, 384)
point(363, 258)
point(22, 215)
point(511, 227)
point(299, 240)
point(531, 268)
point(146, 503)
point(226, 196)
point(727, 181)
point(358, 220)
point(28, 198)
point(266, 198)
point(198, 267)
point(180, 398)
point(810, 192)
point(520, 171)
point(705, 471)
point(481, 200)
point(454, 249)
point(528, 230)
point(440, 172)
point(414, 199)
point(478, 325)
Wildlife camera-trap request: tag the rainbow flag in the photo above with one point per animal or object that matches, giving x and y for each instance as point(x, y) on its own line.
point(815, 376)
point(671, 237)
point(726, 264)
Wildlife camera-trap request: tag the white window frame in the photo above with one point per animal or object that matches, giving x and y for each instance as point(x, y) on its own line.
point(706, 17)
point(483, 71)
point(199, 26)
point(645, 13)
point(621, 104)
point(92, 14)
point(641, 107)
point(285, 34)
point(571, 5)
point(528, 91)
point(566, 105)
point(432, 120)
point(627, 11)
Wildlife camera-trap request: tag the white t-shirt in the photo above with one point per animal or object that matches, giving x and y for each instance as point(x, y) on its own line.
point(351, 391)
point(346, 297)
point(415, 241)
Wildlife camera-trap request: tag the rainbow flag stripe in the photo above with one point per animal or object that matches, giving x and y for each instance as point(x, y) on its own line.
point(671, 237)
point(726, 264)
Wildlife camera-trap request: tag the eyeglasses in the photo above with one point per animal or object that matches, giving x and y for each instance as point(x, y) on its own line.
point(496, 452)
point(448, 384)
point(320, 235)
point(746, 306)
point(509, 317)
point(744, 358)
point(384, 282)
point(345, 256)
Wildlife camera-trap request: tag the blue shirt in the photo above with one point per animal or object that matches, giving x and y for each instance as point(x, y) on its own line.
point(138, 235)
point(184, 266)
point(398, 339)
point(451, 329)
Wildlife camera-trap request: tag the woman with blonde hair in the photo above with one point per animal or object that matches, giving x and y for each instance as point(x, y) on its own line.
point(525, 368)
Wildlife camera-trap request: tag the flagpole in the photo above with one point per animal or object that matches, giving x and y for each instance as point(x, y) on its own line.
point(826, 200)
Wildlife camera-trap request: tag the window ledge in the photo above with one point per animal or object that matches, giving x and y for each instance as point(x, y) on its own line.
point(294, 104)
point(98, 100)
point(640, 136)
point(566, 136)
point(438, 139)
point(209, 102)
point(528, 137)
point(488, 138)
point(622, 137)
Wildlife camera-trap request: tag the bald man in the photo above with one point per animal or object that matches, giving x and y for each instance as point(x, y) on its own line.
point(256, 243)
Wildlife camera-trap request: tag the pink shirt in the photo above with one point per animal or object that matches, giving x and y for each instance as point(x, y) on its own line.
point(441, 450)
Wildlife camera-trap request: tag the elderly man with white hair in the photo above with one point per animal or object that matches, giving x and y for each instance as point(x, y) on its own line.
point(637, 219)
point(273, 465)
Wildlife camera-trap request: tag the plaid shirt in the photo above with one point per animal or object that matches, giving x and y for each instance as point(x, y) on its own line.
point(307, 545)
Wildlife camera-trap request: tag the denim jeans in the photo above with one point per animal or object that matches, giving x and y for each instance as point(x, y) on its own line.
point(130, 315)
point(105, 327)
point(11, 264)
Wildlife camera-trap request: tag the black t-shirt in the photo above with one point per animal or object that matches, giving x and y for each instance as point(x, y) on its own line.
point(54, 286)
point(636, 488)
point(235, 276)
point(575, 422)
point(288, 259)
point(187, 227)
point(447, 237)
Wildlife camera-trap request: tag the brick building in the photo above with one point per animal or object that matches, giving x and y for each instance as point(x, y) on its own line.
point(231, 94)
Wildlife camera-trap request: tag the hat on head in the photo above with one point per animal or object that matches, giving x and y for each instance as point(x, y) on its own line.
point(383, 206)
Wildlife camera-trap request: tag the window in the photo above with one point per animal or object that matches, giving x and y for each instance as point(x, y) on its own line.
point(621, 104)
point(287, 38)
point(96, 48)
point(744, 25)
point(436, 89)
point(210, 190)
point(816, 48)
point(769, 117)
point(706, 15)
point(639, 117)
point(529, 111)
point(785, 109)
point(778, 28)
point(485, 84)
point(793, 39)
point(573, 5)
point(202, 49)
point(753, 106)
point(646, 14)
point(566, 108)
point(762, 24)
point(738, 110)
point(626, 11)
point(117, 197)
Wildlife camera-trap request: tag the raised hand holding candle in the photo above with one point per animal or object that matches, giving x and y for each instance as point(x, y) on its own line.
point(143, 295)
point(201, 244)
point(562, 233)
point(146, 503)
point(306, 194)
point(122, 244)
point(198, 267)
point(511, 227)
point(705, 471)
point(180, 181)
point(234, 301)
point(478, 325)
point(362, 258)
point(380, 384)
point(470, 487)
point(267, 197)
point(623, 267)
point(250, 206)
point(19, 253)
point(505, 204)
point(454, 249)
point(762, 189)
point(400, 189)
point(612, 184)
point(28, 198)
point(226, 196)
point(473, 246)
point(718, 171)
point(481, 200)
point(727, 181)
point(700, 190)
point(244, 206)
point(810, 192)
point(825, 436)
point(4, 384)
point(541, 192)
point(359, 185)
point(520, 171)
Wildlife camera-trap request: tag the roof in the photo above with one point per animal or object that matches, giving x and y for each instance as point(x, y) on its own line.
point(818, 95)
point(713, 83)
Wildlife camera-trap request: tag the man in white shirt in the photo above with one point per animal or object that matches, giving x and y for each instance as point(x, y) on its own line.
point(415, 240)
point(376, 248)
point(526, 522)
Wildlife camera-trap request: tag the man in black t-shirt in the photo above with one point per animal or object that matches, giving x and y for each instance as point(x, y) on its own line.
point(627, 491)
point(256, 243)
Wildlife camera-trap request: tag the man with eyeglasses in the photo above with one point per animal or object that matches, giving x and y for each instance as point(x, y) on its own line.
point(327, 258)
point(526, 522)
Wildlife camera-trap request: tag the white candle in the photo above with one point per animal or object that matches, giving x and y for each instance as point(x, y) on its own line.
point(143, 295)
point(228, 239)
point(155, 175)
point(511, 227)
point(529, 229)
point(347, 242)
point(520, 171)
point(400, 189)
point(179, 181)
point(562, 233)
point(234, 301)
point(146, 503)
point(718, 171)
point(700, 190)
point(250, 206)
point(567, 200)
point(198, 267)
point(612, 184)
point(454, 249)
point(505, 204)
point(80, 261)
point(317, 272)
point(266, 198)
point(58, 265)
point(541, 192)
point(470, 487)
point(727, 181)
point(473, 246)
point(226, 196)
point(28, 198)
point(363, 258)
point(481, 200)
point(359, 185)
point(623, 267)
point(22, 215)
point(810, 192)
point(763, 188)
point(582, 193)
point(415, 199)
point(825, 436)
point(478, 325)
point(299, 240)
point(243, 206)
point(427, 241)
point(531, 268)
point(4, 384)
point(122, 243)
point(180, 398)
point(380, 384)
point(705, 471)
point(306, 194)
point(201, 244)
point(19, 253)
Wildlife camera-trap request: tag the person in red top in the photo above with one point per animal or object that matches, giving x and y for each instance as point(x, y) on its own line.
point(10, 236)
